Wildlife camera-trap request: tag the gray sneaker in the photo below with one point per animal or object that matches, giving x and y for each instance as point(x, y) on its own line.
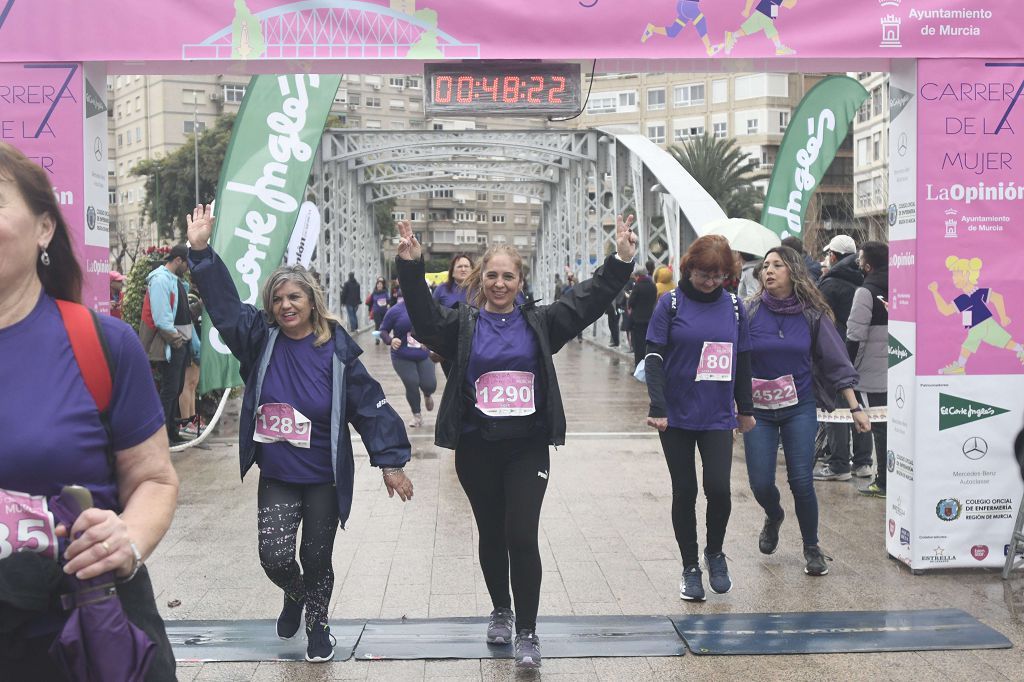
point(691, 586)
point(816, 561)
point(718, 573)
point(863, 471)
point(499, 629)
point(825, 473)
point(527, 649)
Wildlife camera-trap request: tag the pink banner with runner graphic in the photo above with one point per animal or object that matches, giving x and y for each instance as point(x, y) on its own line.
point(970, 213)
point(176, 30)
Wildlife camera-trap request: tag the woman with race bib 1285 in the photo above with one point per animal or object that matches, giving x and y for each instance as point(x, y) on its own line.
point(502, 408)
point(797, 360)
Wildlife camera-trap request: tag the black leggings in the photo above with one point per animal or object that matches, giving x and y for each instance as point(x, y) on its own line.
point(505, 482)
point(281, 507)
point(716, 458)
point(416, 375)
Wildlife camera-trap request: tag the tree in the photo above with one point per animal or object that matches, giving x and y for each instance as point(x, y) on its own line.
point(724, 171)
point(170, 180)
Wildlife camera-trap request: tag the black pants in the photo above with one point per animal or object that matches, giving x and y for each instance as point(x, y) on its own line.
point(716, 460)
point(282, 506)
point(505, 482)
point(172, 380)
point(639, 340)
point(613, 328)
point(878, 432)
point(416, 376)
point(839, 436)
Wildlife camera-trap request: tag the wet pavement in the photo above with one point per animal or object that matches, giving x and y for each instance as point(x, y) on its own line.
point(606, 544)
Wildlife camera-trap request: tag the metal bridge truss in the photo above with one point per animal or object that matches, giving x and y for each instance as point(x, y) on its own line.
point(582, 179)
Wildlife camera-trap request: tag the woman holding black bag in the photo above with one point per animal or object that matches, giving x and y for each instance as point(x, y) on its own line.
point(502, 407)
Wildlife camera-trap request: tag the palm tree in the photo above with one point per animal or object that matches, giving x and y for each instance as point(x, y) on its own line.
point(724, 171)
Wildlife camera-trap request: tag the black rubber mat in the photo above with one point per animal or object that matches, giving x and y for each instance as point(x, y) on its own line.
point(250, 640)
point(836, 632)
point(560, 637)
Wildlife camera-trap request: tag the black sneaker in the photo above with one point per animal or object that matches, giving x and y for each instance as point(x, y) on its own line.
point(291, 617)
point(499, 629)
point(527, 649)
point(768, 541)
point(815, 561)
point(321, 644)
point(691, 585)
point(718, 573)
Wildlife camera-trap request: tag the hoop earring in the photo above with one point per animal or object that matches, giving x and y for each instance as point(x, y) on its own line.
point(44, 258)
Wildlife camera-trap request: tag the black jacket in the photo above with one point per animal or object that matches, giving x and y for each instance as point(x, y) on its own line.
point(838, 287)
point(449, 333)
point(350, 292)
point(643, 299)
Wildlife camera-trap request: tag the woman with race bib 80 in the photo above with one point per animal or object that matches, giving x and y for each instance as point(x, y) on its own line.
point(304, 384)
point(502, 408)
point(698, 378)
point(798, 360)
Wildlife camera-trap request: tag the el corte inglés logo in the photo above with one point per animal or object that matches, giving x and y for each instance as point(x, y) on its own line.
point(954, 411)
point(897, 351)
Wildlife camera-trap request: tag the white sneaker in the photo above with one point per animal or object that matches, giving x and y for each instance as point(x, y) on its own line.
point(864, 471)
point(415, 422)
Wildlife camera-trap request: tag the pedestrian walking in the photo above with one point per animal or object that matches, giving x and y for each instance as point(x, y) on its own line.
point(351, 299)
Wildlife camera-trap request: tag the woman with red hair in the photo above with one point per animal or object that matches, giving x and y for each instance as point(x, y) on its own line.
point(698, 378)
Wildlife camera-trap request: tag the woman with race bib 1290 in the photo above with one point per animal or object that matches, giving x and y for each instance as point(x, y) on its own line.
point(502, 408)
point(798, 360)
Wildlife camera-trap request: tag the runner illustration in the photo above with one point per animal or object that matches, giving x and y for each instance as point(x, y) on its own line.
point(976, 316)
point(762, 19)
point(687, 13)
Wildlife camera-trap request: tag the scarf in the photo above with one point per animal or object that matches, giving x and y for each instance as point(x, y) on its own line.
point(790, 305)
point(693, 293)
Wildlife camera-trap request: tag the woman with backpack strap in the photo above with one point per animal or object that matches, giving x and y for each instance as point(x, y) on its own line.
point(798, 362)
point(698, 378)
point(68, 420)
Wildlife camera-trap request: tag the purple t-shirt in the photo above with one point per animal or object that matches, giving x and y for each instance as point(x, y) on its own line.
point(504, 342)
point(398, 325)
point(698, 405)
point(766, 7)
point(448, 294)
point(775, 355)
point(52, 435)
point(301, 375)
point(379, 301)
point(975, 302)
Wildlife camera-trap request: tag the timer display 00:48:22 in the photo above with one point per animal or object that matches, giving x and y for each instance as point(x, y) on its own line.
point(508, 89)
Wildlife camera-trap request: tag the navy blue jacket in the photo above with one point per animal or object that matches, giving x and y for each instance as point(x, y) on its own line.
point(357, 398)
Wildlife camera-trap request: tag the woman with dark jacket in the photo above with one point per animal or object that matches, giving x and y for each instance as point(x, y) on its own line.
point(502, 408)
point(304, 384)
point(798, 360)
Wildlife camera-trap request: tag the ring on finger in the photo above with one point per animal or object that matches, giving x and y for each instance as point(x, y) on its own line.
point(106, 546)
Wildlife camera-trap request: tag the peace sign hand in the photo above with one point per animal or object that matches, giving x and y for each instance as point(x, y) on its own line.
point(408, 246)
point(200, 226)
point(625, 238)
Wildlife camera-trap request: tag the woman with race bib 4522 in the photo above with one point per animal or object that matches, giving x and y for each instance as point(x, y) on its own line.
point(502, 408)
point(798, 360)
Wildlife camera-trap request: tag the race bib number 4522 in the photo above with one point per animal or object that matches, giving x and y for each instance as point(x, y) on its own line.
point(280, 422)
point(505, 394)
point(26, 525)
point(775, 394)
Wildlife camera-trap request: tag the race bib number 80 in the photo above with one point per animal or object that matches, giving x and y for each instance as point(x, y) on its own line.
point(505, 394)
point(26, 525)
point(277, 422)
point(715, 362)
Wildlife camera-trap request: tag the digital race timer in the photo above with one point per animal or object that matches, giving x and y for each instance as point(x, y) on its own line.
point(497, 88)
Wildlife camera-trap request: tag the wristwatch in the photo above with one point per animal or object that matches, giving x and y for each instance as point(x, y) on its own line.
point(854, 410)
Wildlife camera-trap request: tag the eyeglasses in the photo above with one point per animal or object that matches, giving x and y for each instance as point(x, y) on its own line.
point(708, 277)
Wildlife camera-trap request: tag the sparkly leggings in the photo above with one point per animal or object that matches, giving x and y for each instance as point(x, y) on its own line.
point(282, 506)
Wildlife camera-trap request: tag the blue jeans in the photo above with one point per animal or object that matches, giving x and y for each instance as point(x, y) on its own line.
point(797, 426)
point(353, 317)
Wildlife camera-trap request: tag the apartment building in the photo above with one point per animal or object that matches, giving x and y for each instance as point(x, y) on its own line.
point(871, 156)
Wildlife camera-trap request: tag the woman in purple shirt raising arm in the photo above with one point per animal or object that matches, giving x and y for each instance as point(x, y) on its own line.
point(502, 408)
point(798, 361)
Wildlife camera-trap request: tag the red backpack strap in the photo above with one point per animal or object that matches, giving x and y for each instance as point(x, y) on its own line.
point(82, 326)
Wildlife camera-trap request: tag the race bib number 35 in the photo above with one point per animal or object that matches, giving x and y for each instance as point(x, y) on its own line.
point(715, 362)
point(774, 394)
point(26, 525)
point(505, 394)
point(280, 422)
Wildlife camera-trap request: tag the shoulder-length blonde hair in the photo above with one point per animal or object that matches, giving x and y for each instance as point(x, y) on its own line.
point(803, 286)
point(321, 318)
point(472, 284)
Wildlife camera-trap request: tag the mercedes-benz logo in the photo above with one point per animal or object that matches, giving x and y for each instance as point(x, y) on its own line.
point(975, 447)
point(901, 396)
point(97, 149)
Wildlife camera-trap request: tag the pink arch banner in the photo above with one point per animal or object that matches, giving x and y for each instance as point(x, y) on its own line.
point(214, 30)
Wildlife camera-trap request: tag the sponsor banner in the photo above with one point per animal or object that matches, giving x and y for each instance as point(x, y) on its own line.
point(47, 112)
point(971, 209)
point(902, 280)
point(818, 127)
point(902, 210)
point(498, 29)
point(304, 237)
point(841, 415)
point(261, 184)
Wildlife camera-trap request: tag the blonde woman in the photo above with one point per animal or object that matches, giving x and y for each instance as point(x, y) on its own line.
point(303, 384)
point(977, 319)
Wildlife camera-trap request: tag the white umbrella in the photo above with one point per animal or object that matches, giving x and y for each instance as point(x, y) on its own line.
point(744, 235)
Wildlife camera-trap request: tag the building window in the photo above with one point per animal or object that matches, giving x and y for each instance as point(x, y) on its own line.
point(373, 102)
point(876, 100)
point(520, 219)
point(112, 196)
point(783, 121)
point(397, 82)
point(721, 129)
point(138, 103)
point(864, 113)
point(683, 133)
point(481, 196)
point(416, 216)
point(864, 194)
point(521, 240)
point(442, 193)
point(371, 123)
point(412, 82)
point(138, 133)
point(396, 104)
point(719, 91)
point(863, 151)
point(498, 197)
point(234, 93)
point(753, 125)
point(876, 193)
point(602, 104)
point(120, 140)
point(398, 215)
point(655, 99)
point(189, 96)
point(498, 218)
point(499, 239)
point(876, 146)
point(627, 100)
point(444, 236)
point(762, 85)
point(193, 126)
point(119, 112)
point(354, 98)
point(128, 136)
point(689, 95)
point(656, 133)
